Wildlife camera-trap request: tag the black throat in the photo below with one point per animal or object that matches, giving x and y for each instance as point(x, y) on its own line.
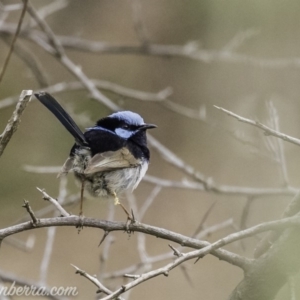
point(137, 144)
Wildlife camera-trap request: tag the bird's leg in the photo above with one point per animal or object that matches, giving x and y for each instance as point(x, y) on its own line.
point(81, 196)
point(80, 225)
point(117, 202)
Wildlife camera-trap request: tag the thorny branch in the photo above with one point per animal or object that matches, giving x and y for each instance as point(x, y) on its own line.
point(202, 252)
point(109, 226)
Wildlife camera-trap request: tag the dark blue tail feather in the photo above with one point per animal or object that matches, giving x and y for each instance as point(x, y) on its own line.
point(47, 100)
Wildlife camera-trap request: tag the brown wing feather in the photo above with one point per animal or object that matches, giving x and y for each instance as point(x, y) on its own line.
point(111, 160)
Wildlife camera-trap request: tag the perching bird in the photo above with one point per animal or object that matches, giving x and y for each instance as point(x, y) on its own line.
point(108, 158)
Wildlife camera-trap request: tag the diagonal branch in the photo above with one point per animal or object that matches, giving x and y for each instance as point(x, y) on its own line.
point(14, 121)
point(267, 130)
point(138, 279)
point(57, 49)
point(11, 49)
point(95, 281)
point(46, 197)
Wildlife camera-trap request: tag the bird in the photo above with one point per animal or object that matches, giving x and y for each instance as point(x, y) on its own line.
point(108, 158)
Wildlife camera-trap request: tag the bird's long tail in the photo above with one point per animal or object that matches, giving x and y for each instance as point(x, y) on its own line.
point(47, 100)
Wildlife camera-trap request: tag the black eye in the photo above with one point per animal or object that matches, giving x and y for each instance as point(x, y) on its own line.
point(125, 126)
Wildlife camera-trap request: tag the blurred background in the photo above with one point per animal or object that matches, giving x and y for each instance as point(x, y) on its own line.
point(243, 56)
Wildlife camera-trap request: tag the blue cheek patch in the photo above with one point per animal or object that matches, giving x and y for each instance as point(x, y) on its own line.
point(125, 134)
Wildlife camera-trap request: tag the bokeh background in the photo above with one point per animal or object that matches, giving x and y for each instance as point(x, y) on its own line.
point(252, 60)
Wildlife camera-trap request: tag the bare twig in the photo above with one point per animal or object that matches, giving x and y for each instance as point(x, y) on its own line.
point(280, 152)
point(208, 183)
point(55, 43)
point(14, 121)
point(26, 245)
point(189, 50)
point(51, 232)
point(264, 245)
point(107, 243)
point(138, 23)
point(62, 211)
point(239, 39)
point(57, 49)
point(101, 84)
point(132, 276)
point(157, 189)
point(187, 184)
point(42, 169)
point(14, 40)
point(30, 212)
point(214, 228)
point(176, 251)
point(31, 60)
point(51, 8)
point(267, 130)
point(204, 218)
point(199, 115)
point(245, 213)
point(94, 280)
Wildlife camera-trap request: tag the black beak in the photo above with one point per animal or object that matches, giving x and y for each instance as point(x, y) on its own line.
point(147, 126)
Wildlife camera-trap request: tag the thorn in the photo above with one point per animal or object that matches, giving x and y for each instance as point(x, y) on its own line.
point(176, 252)
point(198, 259)
point(106, 233)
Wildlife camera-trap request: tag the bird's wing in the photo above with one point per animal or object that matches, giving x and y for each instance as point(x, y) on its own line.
point(112, 160)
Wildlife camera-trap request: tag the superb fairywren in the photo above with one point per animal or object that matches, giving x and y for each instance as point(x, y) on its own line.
point(108, 158)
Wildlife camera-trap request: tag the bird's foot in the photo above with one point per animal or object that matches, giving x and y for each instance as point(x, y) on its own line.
point(79, 226)
point(130, 217)
point(117, 201)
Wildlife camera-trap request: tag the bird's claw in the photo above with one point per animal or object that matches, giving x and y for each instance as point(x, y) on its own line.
point(79, 226)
